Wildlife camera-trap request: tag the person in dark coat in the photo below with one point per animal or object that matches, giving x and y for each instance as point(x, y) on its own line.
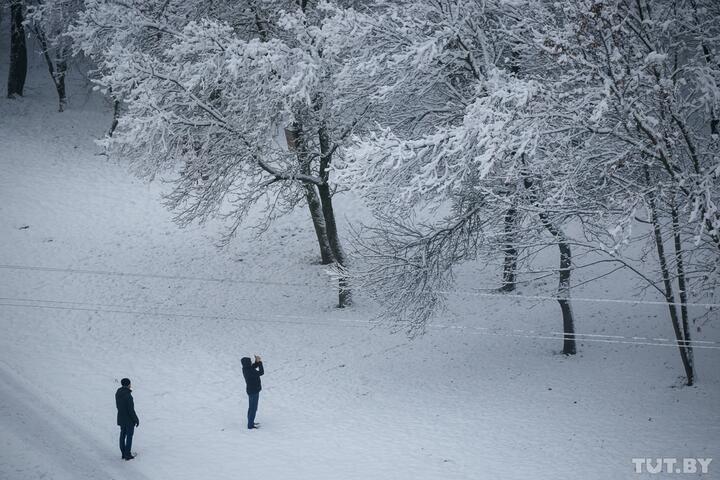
point(127, 419)
point(252, 373)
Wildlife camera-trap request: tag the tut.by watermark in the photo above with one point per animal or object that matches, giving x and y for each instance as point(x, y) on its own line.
point(671, 465)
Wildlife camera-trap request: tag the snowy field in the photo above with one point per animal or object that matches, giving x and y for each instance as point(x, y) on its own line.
point(97, 283)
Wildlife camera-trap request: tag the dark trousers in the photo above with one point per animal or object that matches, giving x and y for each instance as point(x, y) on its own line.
point(126, 434)
point(252, 407)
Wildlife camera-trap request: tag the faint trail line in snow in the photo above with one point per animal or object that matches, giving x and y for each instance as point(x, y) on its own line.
point(356, 323)
point(330, 285)
point(89, 304)
point(241, 318)
point(162, 276)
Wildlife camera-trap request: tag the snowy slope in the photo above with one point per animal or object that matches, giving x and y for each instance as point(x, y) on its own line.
point(97, 283)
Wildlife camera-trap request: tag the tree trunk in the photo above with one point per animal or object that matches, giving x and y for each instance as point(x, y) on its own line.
point(18, 51)
point(344, 293)
point(669, 295)
point(296, 141)
point(60, 85)
point(714, 121)
point(511, 254)
point(318, 218)
point(682, 289)
point(56, 74)
point(563, 297)
point(116, 115)
point(569, 347)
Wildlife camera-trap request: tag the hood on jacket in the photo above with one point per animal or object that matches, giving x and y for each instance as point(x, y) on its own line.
point(246, 362)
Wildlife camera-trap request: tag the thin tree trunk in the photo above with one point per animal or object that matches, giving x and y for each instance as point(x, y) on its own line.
point(511, 253)
point(563, 298)
point(669, 295)
point(18, 51)
point(344, 293)
point(682, 286)
point(296, 142)
point(331, 226)
point(714, 121)
point(262, 26)
point(116, 115)
point(61, 72)
point(57, 74)
point(569, 347)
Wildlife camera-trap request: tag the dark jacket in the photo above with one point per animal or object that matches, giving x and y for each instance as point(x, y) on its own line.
point(125, 407)
point(252, 373)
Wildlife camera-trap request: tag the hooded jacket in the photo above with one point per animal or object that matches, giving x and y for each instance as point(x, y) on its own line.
point(126, 407)
point(252, 373)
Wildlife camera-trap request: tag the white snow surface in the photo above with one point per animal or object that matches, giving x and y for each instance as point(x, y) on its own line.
point(122, 291)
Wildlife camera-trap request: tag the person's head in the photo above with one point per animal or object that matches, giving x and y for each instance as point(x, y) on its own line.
point(246, 362)
point(125, 382)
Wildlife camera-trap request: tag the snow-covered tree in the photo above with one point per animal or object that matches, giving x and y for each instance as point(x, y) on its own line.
point(459, 126)
point(48, 20)
point(638, 84)
point(209, 94)
point(527, 115)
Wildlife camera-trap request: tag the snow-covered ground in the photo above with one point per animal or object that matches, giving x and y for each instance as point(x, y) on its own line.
point(97, 283)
